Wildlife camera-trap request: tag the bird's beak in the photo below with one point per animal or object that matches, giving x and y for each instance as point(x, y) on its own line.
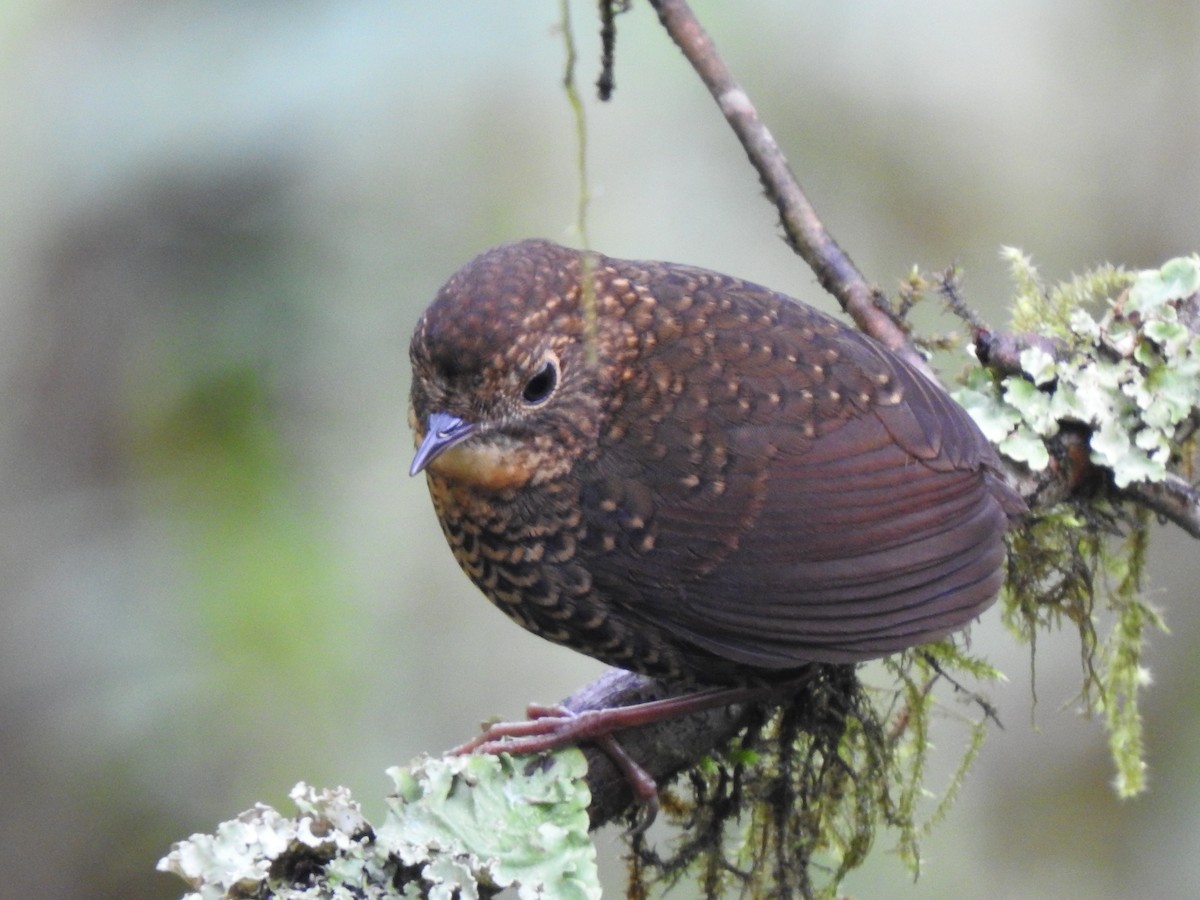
point(442, 432)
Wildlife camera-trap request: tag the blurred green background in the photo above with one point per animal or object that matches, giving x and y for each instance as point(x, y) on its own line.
point(218, 225)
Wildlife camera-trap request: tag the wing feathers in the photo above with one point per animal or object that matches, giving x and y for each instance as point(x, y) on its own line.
point(832, 512)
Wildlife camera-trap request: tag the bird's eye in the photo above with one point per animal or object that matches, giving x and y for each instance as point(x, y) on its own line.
point(541, 386)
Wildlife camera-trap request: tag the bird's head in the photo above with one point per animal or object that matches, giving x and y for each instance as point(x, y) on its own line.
point(508, 379)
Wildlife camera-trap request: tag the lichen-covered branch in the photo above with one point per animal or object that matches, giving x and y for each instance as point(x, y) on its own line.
point(1093, 396)
point(1168, 495)
point(812, 779)
point(1110, 387)
point(1099, 414)
point(1174, 499)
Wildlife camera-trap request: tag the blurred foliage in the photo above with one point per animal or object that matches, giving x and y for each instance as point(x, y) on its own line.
point(262, 573)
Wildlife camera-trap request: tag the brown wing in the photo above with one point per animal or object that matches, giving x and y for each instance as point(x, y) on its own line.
point(798, 495)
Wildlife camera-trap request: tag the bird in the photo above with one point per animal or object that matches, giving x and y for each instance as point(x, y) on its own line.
point(693, 477)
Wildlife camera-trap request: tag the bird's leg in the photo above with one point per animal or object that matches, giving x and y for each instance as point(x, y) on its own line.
point(641, 782)
point(551, 727)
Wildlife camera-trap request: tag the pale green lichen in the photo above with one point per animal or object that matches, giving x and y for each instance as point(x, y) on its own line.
point(456, 827)
point(1118, 362)
point(1130, 371)
point(495, 821)
point(242, 859)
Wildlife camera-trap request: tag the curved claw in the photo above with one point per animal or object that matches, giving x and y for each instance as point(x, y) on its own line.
point(551, 727)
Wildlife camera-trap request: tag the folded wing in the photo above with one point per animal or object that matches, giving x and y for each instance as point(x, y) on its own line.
point(833, 509)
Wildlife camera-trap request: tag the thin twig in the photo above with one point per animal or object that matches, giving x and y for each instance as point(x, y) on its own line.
point(803, 228)
point(607, 83)
point(579, 114)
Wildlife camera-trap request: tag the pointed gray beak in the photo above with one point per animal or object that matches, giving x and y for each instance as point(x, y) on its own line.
point(442, 432)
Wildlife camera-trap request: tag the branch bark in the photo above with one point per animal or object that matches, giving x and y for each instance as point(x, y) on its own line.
point(1174, 499)
point(663, 748)
point(803, 228)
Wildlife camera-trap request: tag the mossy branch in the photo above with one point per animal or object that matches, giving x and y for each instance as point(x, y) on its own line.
point(771, 799)
point(456, 826)
point(798, 790)
point(1097, 413)
point(1093, 398)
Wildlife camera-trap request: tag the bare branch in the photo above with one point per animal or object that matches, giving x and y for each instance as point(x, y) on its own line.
point(1174, 499)
point(804, 230)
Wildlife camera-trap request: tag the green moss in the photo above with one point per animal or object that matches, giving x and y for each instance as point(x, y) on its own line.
point(839, 766)
point(1125, 371)
point(1081, 566)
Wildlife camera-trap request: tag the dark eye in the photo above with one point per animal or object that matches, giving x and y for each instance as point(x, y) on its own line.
point(541, 385)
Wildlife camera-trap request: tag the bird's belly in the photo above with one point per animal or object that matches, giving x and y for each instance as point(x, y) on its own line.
point(535, 569)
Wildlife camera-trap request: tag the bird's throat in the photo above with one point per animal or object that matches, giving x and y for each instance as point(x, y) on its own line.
point(485, 466)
